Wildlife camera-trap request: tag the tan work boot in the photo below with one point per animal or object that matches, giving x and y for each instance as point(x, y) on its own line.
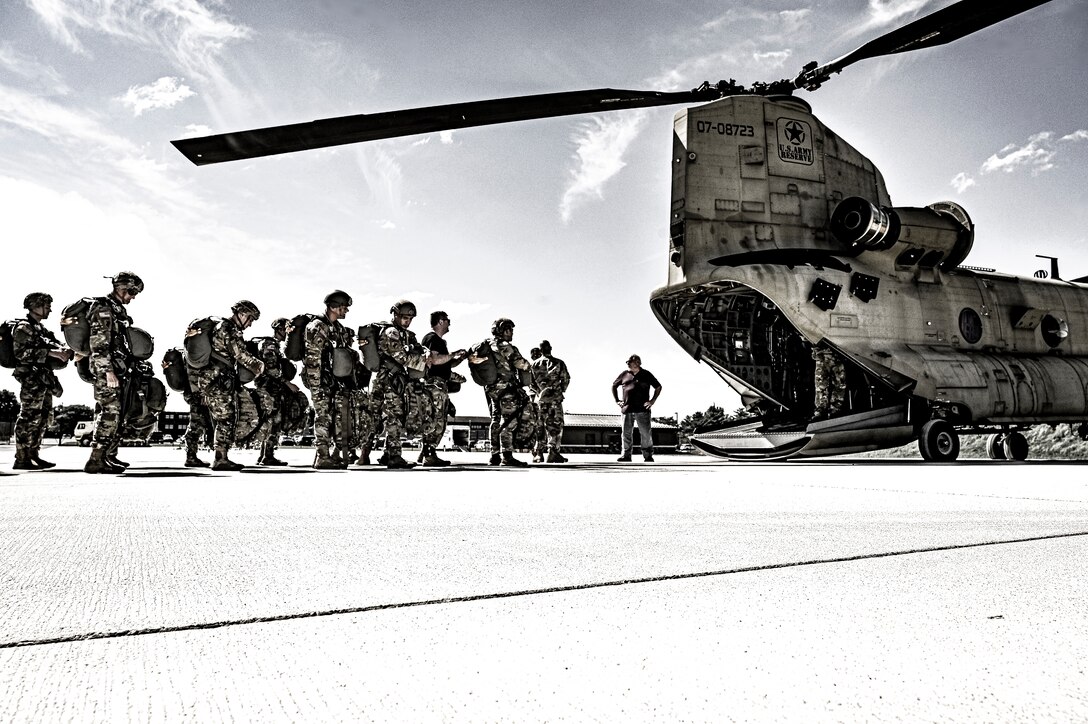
point(429, 458)
point(192, 461)
point(97, 463)
point(324, 461)
point(22, 459)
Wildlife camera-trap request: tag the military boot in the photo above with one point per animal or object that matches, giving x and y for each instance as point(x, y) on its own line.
point(222, 462)
point(268, 455)
point(555, 457)
point(38, 462)
point(430, 458)
point(364, 456)
point(496, 459)
point(324, 461)
point(538, 456)
point(396, 462)
point(97, 463)
point(191, 459)
point(340, 457)
point(22, 459)
point(510, 461)
point(116, 462)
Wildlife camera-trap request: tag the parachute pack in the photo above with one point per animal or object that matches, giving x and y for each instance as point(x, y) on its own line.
point(198, 341)
point(295, 349)
point(487, 372)
point(173, 368)
point(369, 333)
point(75, 325)
point(7, 344)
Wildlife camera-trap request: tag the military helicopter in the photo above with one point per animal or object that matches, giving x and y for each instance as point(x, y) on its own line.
point(783, 239)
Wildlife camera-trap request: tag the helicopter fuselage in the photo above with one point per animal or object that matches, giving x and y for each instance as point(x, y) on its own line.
point(783, 238)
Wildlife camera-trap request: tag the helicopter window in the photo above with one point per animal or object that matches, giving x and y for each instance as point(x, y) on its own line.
point(970, 326)
point(931, 259)
point(1054, 330)
point(824, 294)
point(909, 257)
point(863, 287)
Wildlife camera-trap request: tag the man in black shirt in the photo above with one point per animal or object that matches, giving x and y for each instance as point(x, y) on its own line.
point(635, 405)
point(437, 385)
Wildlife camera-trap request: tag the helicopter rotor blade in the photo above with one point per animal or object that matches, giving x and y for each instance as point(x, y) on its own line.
point(944, 26)
point(393, 124)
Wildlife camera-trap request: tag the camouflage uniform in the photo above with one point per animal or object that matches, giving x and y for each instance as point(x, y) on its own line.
point(550, 381)
point(330, 396)
point(38, 385)
point(109, 352)
point(275, 394)
point(363, 424)
point(505, 398)
point(830, 382)
point(200, 422)
point(219, 386)
point(399, 396)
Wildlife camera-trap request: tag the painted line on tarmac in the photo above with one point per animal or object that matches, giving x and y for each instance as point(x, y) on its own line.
point(99, 635)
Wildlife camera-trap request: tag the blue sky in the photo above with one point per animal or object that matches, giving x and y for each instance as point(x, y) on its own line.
point(560, 224)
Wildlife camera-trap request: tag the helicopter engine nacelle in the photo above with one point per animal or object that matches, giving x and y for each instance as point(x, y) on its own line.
point(939, 235)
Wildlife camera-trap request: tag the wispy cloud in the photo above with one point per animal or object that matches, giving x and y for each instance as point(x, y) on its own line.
point(97, 145)
point(46, 77)
point(961, 182)
point(166, 92)
point(882, 13)
point(1038, 155)
point(601, 143)
point(188, 32)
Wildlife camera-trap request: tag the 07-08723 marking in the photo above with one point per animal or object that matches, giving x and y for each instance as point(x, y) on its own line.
point(725, 129)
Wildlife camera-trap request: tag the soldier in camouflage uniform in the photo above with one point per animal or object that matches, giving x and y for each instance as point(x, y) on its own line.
point(550, 381)
point(364, 424)
point(330, 396)
point(218, 382)
point(200, 421)
point(37, 351)
point(436, 385)
point(402, 359)
point(279, 391)
point(830, 383)
point(505, 398)
point(112, 365)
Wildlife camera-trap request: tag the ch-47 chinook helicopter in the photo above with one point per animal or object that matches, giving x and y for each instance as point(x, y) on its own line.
point(783, 239)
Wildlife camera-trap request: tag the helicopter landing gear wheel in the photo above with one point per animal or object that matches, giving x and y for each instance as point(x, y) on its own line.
point(1015, 446)
point(995, 448)
point(938, 442)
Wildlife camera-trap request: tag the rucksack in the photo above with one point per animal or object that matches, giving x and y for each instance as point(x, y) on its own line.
point(295, 348)
point(198, 341)
point(76, 326)
point(372, 359)
point(487, 372)
point(173, 368)
point(7, 344)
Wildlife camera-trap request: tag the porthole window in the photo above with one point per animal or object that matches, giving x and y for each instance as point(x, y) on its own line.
point(970, 326)
point(1054, 330)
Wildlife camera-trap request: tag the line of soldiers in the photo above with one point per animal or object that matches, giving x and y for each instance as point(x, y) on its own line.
point(412, 382)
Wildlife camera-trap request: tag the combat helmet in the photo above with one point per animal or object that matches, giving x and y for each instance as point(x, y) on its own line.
point(338, 298)
point(36, 299)
point(128, 279)
point(403, 307)
point(280, 324)
point(501, 324)
point(244, 306)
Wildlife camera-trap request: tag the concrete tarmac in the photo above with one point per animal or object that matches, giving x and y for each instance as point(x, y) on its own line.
point(684, 590)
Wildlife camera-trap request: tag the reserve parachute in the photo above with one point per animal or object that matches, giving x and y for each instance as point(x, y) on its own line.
point(295, 348)
point(7, 344)
point(75, 325)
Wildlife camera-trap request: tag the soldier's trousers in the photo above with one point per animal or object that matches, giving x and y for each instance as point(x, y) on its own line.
point(199, 417)
point(35, 406)
point(362, 431)
point(830, 381)
point(436, 390)
point(107, 421)
point(331, 421)
point(549, 430)
point(505, 410)
point(223, 408)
